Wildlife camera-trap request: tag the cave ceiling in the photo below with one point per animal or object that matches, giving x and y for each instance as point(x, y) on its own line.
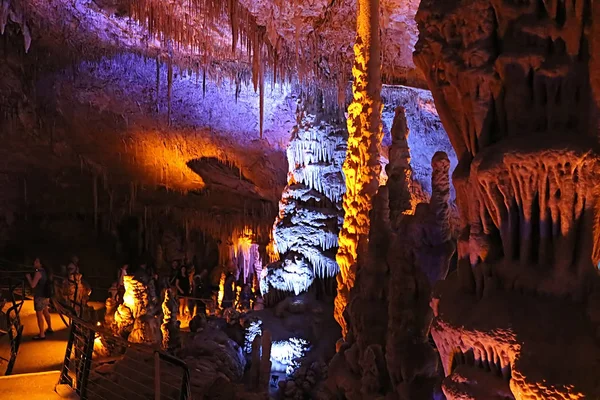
point(111, 101)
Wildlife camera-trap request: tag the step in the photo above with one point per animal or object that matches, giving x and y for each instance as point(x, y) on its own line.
point(34, 386)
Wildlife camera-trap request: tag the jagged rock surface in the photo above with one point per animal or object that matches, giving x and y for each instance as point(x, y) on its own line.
point(310, 215)
point(511, 83)
point(362, 165)
point(137, 317)
point(169, 328)
point(387, 349)
point(211, 356)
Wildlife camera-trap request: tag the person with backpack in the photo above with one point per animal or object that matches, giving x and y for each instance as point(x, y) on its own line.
point(42, 286)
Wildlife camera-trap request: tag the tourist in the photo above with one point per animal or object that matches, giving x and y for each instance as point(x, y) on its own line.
point(247, 298)
point(41, 283)
point(182, 283)
point(174, 272)
point(121, 281)
point(228, 291)
point(73, 267)
point(201, 291)
point(143, 271)
point(146, 274)
point(113, 291)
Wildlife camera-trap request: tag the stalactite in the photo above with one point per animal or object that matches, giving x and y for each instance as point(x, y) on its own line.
point(262, 99)
point(169, 89)
point(204, 82)
point(157, 83)
point(362, 167)
point(95, 190)
point(131, 197)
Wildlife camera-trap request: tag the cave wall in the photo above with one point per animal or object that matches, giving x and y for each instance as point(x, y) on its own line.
point(511, 82)
point(88, 144)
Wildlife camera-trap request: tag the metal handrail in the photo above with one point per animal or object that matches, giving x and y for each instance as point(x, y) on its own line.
point(94, 329)
point(14, 322)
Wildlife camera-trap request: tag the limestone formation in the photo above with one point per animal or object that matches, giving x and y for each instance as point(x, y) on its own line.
point(213, 359)
point(74, 291)
point(361, 167)
point(265, 360)
point(306, 230)
point(170, 325)
point(137, 317)
point(305, 383)
point(386, 351)
point(511, 83)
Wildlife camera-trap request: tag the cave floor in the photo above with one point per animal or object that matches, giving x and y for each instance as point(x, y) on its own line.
point(36, 386)
point(37, 356)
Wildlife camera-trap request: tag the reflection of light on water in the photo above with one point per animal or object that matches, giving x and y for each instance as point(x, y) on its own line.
point(286, 354)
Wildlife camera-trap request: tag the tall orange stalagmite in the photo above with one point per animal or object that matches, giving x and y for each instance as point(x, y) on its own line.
point(361, 167)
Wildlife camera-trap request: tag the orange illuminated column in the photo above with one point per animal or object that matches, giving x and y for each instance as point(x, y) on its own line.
point(361, 167)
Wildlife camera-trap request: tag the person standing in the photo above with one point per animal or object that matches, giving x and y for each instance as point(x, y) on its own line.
point(121, 281)
point(41, 284)
point(73, 267)
point(201, 292)
point(228, 291)
point(182, 283)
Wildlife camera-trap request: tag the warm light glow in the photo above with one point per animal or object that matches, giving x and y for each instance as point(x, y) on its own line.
point(238, 290)
point(164, 157)
point(129, 295)
point(362, 167)
point(413, 206)
point(221, 290)
point(271, 248)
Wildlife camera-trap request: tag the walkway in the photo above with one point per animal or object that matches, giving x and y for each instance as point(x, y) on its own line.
point(36, 370)
point(38, 386)
point(37, 355)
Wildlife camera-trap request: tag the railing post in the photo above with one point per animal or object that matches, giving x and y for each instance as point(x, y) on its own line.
point(87, 361)
point(156, 376)
point(64, 374)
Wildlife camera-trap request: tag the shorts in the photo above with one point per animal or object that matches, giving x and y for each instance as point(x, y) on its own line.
point(40, 303)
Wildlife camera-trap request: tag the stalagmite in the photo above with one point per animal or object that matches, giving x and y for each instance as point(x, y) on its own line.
point(399, 170)
point(170, 327)
point(387, 352)
point(265, 360)
point(261, 99)
point(362, 166)
point(305, 233)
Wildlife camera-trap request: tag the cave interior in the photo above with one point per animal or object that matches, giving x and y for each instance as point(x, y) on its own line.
point(325, 199)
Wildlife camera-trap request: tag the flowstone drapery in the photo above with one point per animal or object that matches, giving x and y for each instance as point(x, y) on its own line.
point(511, 83)
point(387, 350)
point(306, 230)
point(137, 317)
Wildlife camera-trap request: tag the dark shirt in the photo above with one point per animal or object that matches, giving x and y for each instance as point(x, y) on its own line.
point(228, 291)
point(184, 284)
point(38, 290)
